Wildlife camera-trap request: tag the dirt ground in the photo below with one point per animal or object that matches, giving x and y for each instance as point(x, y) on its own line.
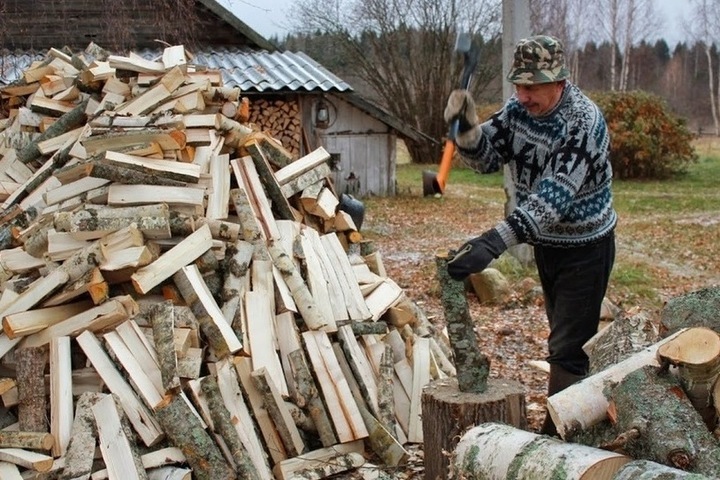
point(409, 230)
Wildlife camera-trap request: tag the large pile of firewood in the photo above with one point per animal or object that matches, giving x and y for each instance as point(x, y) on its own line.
point(183, 297)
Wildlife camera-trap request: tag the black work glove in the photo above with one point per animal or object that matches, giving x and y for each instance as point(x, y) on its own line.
point(475, 255)
point(461, 108)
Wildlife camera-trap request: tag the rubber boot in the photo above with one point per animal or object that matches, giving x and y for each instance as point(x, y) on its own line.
point(559, 380)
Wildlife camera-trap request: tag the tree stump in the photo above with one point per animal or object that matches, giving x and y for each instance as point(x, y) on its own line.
point(447, 413)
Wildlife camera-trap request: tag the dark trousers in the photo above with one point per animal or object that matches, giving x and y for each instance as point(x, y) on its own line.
point(574, 281)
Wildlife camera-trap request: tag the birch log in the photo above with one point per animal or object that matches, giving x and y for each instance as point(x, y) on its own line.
point(311, 314)
point(494, 451)
point(647, 470)
point(672, 432)
point(584, 404)
point(223, 425)
point(696, 353)
point(473, 367)
point(186, 432)
point(32, 405)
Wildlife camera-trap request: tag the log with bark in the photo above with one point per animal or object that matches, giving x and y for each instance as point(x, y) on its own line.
point(496, 451)
point(585, 403)
point(696, 354)
point(672, 432)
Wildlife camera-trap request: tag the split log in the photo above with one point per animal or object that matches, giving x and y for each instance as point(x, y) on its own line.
point(31, 321)
point(185, 431)
point(26, 459)
point(36, 292)
point(219, 198)
point(273, 189)
point(273, 442)
point(136, 372)
point(307, 397)
point(360, 368)
point(61, 394)
point(116, 440)
point(354, 299)
point(68, 121)
point(495, 451)
point(189, 249)
point(584, 404)
point(629, 333)
point(696, 353)
point(383, 443)
point(154, 460)
point(97, 319)
point(473, 367)
point(341, 405)
point(312, 315)
point(275, 406)
point(236, 134)
point(163, 323)
point(79, 456)
point(292, 467)
point(219, 334)
point(169, 473)
point(448, 412)
point(236, 264)
point(331, 467)
point(232, 395)
point(141, 418)
point(671, 430)
point(223, 425)
point(32, 405)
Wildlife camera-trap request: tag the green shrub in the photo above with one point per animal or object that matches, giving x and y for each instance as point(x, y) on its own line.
point(647, 141)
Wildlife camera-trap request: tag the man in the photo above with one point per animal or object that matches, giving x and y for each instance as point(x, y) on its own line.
point(555, 141)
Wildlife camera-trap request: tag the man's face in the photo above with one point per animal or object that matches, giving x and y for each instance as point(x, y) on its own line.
point(539, 99)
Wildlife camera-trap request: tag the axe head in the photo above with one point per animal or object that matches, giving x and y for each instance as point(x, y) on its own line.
point(463, 42)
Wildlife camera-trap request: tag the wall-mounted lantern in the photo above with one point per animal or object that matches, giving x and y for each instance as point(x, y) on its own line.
point(322, 114)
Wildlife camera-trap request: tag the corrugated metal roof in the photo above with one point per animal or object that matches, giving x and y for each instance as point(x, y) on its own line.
point(259, 71)
point(264, 71)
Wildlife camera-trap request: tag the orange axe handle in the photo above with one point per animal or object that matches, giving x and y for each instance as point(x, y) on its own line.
point(445, 164)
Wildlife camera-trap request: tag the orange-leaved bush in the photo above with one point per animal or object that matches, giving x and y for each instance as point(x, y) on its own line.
point(647, 140)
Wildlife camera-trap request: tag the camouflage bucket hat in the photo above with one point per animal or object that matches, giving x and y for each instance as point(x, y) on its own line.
point(539, 59)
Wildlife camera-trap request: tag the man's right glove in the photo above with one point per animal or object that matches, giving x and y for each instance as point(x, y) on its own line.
point(461, 108)
point(476, 254)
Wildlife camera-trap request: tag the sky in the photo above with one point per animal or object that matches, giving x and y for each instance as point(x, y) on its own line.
point(270, 17)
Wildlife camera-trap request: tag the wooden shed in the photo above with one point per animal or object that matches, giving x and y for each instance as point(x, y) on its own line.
point(318, 108)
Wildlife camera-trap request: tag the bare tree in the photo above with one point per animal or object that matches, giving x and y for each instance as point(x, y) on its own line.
point(565, 19)
point(640, 22)
point(403, 50)
point(706, 29)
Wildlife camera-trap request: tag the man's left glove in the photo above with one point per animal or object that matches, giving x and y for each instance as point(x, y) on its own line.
point(475, 255)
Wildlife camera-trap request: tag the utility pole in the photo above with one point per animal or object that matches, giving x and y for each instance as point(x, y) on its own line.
point(516, 25)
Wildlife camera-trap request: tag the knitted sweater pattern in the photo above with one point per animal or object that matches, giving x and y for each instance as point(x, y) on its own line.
point(560, 167)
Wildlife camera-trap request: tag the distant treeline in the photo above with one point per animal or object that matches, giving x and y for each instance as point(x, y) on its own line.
point(679, 75)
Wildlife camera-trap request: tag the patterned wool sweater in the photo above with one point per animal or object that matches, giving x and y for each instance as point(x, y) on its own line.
point(560, 166)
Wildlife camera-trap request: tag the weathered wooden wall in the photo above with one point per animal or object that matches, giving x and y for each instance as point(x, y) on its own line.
point(112, 24)
point(367, 147)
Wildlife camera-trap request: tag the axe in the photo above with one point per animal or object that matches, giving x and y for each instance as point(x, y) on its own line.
point(435, 184)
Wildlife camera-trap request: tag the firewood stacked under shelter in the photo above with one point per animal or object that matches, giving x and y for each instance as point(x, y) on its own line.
point(182, 293)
